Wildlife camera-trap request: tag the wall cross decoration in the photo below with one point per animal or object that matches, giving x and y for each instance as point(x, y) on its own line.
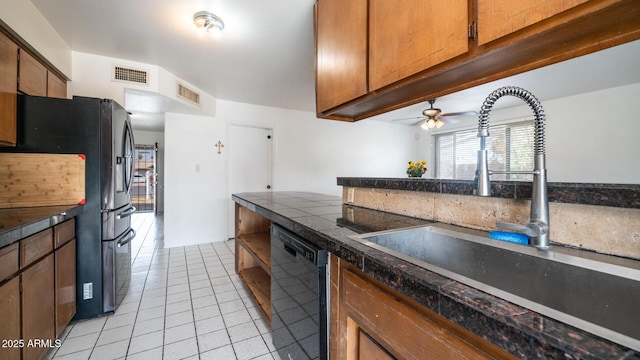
point(219, 145)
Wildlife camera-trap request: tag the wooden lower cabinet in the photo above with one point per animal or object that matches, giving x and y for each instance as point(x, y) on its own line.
point(65, 280)
point(38, 310)
point(37, 291)
point(10, 318)
point(371, 321)
point(370, 349)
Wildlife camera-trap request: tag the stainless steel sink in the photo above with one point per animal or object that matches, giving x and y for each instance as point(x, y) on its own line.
point(594, 292)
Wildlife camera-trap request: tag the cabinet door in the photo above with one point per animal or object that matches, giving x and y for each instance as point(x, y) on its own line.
point(32, 76)
point(56, 87)
point(341, 52)
point(38, 321)
point(408, 36)
point(497, 18)
point(375, 323)
point(9, 261)
point(65, 263)
point(370, 350)
point(8, 84)
point(10, 315)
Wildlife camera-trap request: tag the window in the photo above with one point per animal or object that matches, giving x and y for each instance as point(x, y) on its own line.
point(510, 148)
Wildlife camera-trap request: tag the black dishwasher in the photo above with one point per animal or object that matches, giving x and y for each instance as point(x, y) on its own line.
point(299, 314)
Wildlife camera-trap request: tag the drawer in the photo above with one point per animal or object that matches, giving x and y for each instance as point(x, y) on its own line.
point(9, 261)
point(35, 246)
point(64, 232)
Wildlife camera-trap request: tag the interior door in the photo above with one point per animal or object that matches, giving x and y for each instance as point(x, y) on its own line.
point(250, 163)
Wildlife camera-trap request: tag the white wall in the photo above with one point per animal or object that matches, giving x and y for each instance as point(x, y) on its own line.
point(594, 137)
point(590, 138)
point(92, 77)
point(308, 156)
point(310, 153)
point(195, 188)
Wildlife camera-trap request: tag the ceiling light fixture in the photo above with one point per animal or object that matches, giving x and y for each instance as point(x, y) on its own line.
point(208, 22)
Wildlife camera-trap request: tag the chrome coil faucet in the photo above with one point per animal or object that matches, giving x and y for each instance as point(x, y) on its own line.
point(538, 226)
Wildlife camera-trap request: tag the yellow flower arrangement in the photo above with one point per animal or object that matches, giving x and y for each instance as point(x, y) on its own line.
point(416, 169)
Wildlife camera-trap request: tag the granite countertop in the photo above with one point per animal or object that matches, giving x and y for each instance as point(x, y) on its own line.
point(325, 221)
point(18, 223)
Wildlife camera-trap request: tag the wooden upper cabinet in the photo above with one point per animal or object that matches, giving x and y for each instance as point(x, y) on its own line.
point(497, 18)
point(32, 75)
point(341, 52)
point(56, 87)
point(423, 49)
point(409, 36)
point(8, 83)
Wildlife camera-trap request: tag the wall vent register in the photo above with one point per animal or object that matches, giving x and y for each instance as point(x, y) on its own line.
point(121, 73)
point(187, 94)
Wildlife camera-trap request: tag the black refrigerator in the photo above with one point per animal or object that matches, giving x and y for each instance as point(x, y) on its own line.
point(101, 130)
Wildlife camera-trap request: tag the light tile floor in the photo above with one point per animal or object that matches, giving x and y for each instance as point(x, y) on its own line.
point(183, 303)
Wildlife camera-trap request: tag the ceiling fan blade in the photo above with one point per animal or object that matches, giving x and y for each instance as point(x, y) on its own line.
point(421, 118)
point(461, 113)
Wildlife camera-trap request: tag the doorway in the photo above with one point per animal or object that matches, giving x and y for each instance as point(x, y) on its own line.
point(143, 192)
point(250, 163)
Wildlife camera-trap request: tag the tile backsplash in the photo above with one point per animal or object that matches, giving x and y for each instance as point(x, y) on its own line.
point(605, 229)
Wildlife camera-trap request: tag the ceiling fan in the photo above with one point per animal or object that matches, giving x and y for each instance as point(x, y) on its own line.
point(432, 117)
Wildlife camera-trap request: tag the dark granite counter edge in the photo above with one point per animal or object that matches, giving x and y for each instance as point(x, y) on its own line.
point(616, 195)
point(47, 217)
point(485, 315)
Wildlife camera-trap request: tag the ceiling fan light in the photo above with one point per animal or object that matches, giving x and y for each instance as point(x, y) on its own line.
point(431, 123)
point(425, 126)
point(438, 123)
point(431, 112)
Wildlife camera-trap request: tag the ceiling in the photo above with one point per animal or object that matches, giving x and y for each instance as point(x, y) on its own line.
point(265, 54)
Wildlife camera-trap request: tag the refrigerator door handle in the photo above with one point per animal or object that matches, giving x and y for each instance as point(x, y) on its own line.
point(126, 213)
point(126, 238)
point(128, 145)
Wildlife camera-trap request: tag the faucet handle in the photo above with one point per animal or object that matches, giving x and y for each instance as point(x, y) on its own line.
point(533, 229)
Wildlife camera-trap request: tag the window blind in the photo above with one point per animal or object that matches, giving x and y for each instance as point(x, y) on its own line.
point(509, 146)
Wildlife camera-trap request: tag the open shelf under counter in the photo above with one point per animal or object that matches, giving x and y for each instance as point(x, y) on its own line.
point(259, 284)
point(253, 256)
point(258, 245)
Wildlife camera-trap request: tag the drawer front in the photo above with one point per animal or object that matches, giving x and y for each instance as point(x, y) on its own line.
point(9, 264)
point(35, 247)
point(64, 232)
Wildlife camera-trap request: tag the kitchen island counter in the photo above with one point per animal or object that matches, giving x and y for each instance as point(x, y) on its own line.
point(325, 221)
point(19, 223)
